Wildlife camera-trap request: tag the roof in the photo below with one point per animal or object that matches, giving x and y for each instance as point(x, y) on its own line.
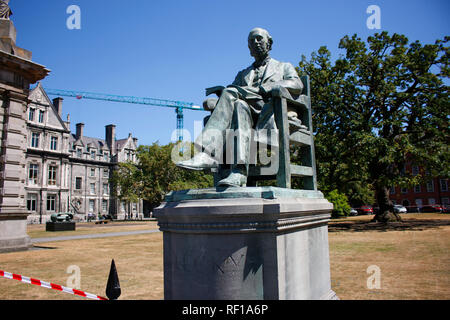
point(93, 142)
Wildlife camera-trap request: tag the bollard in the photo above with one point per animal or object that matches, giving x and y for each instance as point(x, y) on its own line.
point(113, 286)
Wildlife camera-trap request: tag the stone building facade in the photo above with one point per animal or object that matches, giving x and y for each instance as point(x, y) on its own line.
point(17, 72)
point(68, 172)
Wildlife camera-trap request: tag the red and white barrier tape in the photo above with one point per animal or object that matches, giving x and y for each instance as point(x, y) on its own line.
point(49, 285)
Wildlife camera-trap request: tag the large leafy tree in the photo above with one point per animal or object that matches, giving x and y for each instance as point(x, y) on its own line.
point(154, 175)
point(381, 104)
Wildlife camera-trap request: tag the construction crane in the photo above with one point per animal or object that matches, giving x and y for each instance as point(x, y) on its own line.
point(177, 105)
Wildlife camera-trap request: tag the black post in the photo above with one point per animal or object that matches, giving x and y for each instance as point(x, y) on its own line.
point(113, 286)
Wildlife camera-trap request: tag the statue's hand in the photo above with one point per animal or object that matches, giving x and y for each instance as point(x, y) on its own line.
point(217, 90)
point(265, 92)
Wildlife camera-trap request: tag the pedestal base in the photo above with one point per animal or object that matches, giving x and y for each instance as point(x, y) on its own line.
point(13, 236)
point(252, 248)
point(59, 226)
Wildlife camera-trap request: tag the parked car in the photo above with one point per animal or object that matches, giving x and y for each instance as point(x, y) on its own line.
point(398, 208)
point(353, 212)
point(413, 209)
point(432, 208)
point(365, 210)
point(446, 208)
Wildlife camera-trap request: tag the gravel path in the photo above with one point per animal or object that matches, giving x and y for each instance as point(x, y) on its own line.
point(92, 236)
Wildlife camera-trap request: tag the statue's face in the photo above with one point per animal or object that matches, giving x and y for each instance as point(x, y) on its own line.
point(258, 43)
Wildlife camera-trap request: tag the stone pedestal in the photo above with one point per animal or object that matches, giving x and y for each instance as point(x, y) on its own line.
point(13, 235)
point(246, 243)
point(60, 226)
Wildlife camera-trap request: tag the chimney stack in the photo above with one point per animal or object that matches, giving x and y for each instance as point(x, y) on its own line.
point(110, 138)
point(57, 103)
point(79, 132)
point(67, 122)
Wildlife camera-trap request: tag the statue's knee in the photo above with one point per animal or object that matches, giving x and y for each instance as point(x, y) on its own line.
point(242, 106)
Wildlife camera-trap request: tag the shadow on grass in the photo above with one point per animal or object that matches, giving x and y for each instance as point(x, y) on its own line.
point(406, 225)
point(35, 247)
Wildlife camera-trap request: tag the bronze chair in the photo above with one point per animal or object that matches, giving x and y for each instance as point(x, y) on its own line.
point(293, 119)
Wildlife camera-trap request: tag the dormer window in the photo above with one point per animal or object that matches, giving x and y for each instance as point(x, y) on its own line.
point(41, 116)
point(93, 154)
point(31, 114)
point(79, 152)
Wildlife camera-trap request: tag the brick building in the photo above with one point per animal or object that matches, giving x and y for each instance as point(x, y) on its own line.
point(434, 191)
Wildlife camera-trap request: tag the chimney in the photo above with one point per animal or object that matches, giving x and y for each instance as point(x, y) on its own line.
point(57, 103)
point(67, 122)
point(79, 132)
point(110, 138)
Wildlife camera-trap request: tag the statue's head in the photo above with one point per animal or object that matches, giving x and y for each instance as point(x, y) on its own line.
point(259, 42)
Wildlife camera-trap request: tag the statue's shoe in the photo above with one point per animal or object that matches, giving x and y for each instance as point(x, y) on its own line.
point(235, 179)
point(200, 161)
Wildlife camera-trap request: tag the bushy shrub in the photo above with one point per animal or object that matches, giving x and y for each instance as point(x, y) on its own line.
point(340, 204)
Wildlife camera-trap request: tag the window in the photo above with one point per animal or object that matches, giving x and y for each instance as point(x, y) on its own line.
point(91, 205)
point(31, 114)
point(404, 190)
point(419, 203)
point(444, 185)
point(93, 154)
point(445, 201)
point(105, 188)
point(415, 170)
point(405, 203)
point(417, 189)
point(92, 172)
point(41, 116)
point(105, 205)
point(31, 202)
point(79, 152)
point(392, 190)
point(431, 201)
point(430, 186)
point(51, 202)
point(35, 139)
point(53, 143)
point(78, 183)
point(105, 173)
point(403, 171)
point(52, 175)
point(92, 188)
point(105, 156)
point(33, 173)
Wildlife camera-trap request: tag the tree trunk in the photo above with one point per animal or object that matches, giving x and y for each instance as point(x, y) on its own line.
point(386, 212)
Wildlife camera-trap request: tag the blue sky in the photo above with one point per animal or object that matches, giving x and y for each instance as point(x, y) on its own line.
point(175, 49)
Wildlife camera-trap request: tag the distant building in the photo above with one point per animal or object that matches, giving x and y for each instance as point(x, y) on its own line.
point(434, 191)
point(68, 172)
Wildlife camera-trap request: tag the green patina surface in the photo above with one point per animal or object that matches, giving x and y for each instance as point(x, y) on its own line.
point(241, 192)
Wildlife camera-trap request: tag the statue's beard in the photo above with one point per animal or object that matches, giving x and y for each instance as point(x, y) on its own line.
point(259, 52)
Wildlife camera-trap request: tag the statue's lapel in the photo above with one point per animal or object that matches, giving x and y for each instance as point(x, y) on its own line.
point(249, 75)
point(270, 70)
